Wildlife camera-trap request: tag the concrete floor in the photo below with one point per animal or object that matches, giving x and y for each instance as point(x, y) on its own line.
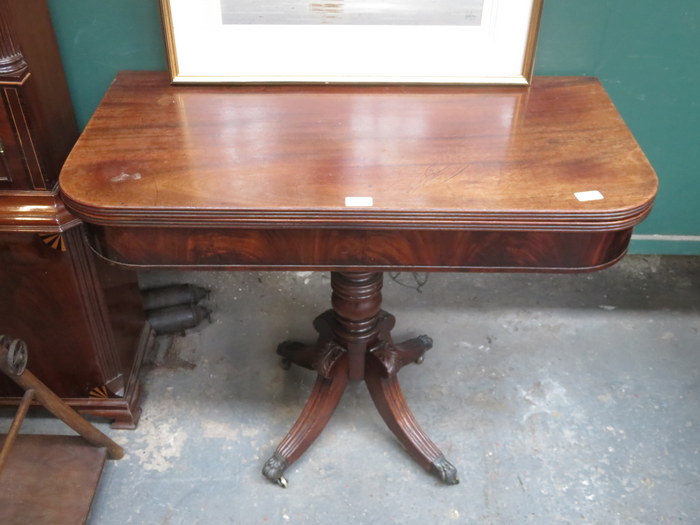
point(560, 399)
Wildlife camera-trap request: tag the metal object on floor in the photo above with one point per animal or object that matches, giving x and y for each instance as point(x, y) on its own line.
point(177, 319)
point(175, 308)
point(173, 295)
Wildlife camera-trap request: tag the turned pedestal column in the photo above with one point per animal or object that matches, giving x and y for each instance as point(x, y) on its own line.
point(355, 344)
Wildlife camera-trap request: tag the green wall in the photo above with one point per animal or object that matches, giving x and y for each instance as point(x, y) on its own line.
point(646, 52)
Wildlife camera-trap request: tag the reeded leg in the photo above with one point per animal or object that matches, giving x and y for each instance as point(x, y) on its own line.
point(319, 408)
point(383, 385)
point(355, 343)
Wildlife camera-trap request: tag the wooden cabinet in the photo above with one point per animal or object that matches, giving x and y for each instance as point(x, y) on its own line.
point(80, 316)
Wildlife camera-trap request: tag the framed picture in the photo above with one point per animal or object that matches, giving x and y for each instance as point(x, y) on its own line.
point(351, 41)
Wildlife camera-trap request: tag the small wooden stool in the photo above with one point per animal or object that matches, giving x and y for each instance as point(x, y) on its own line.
point(47, 478)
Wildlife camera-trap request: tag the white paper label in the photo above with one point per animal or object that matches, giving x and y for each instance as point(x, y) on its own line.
point(585, 196)
point(359, 201)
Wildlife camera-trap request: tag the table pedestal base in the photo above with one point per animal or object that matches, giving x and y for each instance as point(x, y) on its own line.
point(355, 344)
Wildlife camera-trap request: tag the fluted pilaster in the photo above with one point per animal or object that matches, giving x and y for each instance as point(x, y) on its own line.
point(12, 62)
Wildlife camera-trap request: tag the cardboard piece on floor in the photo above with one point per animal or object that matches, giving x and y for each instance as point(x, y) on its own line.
point(49, 479)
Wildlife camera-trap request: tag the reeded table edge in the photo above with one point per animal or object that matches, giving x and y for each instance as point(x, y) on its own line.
point(360, 219)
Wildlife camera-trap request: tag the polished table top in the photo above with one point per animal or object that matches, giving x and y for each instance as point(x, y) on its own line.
point(423, 177)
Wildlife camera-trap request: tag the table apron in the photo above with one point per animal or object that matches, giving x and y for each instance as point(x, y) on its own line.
point(357, 249)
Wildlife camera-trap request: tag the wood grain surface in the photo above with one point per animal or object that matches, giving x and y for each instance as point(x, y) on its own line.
point(427, 156)
point(61, 491)
point(450, 177)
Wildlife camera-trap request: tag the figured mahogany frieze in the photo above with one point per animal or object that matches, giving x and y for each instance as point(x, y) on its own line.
point(359, 250)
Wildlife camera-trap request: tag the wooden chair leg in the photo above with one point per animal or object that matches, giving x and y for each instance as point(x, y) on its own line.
point(16, 425)
point(318, 410)
point(390, 402)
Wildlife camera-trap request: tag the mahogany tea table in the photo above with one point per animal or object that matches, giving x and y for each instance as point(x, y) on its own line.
point(358, 180)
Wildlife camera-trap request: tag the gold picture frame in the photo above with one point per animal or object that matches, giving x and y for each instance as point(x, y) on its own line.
point(290, 41)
